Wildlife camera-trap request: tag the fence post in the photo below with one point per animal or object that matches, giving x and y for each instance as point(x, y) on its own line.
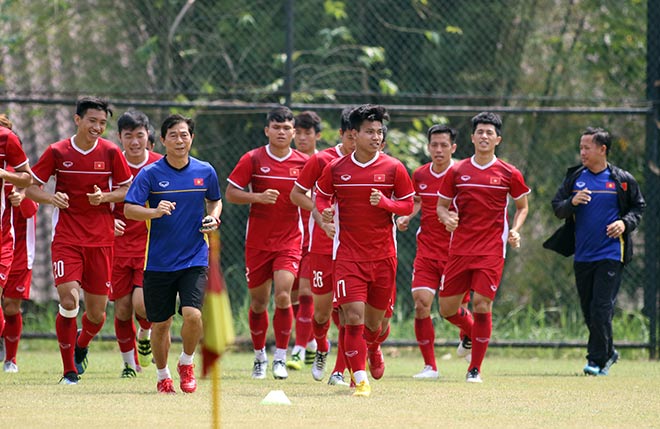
point(652, 174)
point(288, 68)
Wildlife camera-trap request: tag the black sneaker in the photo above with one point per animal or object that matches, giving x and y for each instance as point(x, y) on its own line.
point(80, 356)
point(69, 378)
point(611, 361)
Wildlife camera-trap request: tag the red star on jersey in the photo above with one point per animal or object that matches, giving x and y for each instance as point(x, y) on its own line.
point(379, 178)
point(99, 165)
point(198, 182)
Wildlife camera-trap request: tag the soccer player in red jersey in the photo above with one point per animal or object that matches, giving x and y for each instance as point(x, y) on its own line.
point(320, 254)
point(308, 133)
point(274, 234)
point(479, 188)
point(368, 187)
point(85, 167)
point(432, 240)
point(23, 222)
point(129, 252)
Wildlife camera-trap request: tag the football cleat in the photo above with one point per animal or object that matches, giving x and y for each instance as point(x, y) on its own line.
point(69, 378)
point(259, 369)
point(427, 372)
point(80, 356)
point(376, 363)
point(145, 357)
point(337, 379)
point(591, 368)
point(473, 376)
point(279, 370)
point(611, 361)
point(128, 372)
point(318, 367)
point(362, 389)
point(188, 383)
point(297, 361)
point(166, 386)
point(464, 349)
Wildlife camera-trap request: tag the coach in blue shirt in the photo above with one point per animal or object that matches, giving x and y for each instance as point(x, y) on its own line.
point(179, 198)
point(602, 204)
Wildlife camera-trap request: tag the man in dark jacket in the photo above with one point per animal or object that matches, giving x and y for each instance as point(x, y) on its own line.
point(604, 205)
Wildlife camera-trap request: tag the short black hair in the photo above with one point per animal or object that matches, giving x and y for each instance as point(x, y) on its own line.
point(367, 112)
point(132, 120)
point(345, 121)
point(280, 114)
point(307, 120)
point(172, 120)
point(441, 129)
point(488, 118)
point(90, 102)
point(600, 137)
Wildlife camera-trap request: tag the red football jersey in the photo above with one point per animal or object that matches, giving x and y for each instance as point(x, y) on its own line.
point(320, 243)
point(432, 236)
point(24, 226)
point(480, 195)
point(278, 226)
point(76, 172)
point(134, 241)
point(364, 232)
point(11, 155)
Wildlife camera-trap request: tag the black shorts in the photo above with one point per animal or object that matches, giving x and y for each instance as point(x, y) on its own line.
point(161, 289)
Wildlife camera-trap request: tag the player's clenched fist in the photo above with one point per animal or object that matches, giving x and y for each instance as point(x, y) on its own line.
point(165, 208)
point(60, 200)
point(514, 239)
point(269, 196)
point(96, 197)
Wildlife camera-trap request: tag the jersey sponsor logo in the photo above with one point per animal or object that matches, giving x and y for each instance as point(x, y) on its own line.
point(198, 182)
point(20, 289)
point(465, 178)
point(68, 164)
point(163, 183)
point(423, 186)
point(108, 284)
point(265, 170)
point(379, 178)
point(351, 353)
point(345, 177)
point(493, 288)
point(580, 184)
point(99, 165)
point(295, 265)
point(495, 181)
point(294, 172)
point(3, 277)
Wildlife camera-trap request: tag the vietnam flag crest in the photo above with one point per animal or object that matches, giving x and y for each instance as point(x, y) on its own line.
point(379, 178)
point(99, 165)
point(216, 312)
point(610, 185)
point(198, 182)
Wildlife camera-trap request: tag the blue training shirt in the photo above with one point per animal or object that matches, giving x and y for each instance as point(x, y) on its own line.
point(591, 220)
point(174, 242)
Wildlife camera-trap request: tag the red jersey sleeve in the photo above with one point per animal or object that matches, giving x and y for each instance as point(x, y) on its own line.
point(518, 186)
point(242, 173)
point(15, 155)
point(310, 172)
point(121, 173)
point(45, 167)
point(447, 188)
point(28, 208)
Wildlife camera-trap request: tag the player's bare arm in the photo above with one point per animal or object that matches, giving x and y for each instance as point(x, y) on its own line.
point(21, 178)
point(522, 208)
point(402, 222)
point(136, 212)
point(238, 196)
point(301, 198)
point(98, 197)
point(38, 195)
point(449, 219)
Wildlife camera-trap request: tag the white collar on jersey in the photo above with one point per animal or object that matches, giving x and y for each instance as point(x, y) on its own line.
point(284, 158)
point(84, 152)
point(482, 167)
point(366, 164)
point(442, 173)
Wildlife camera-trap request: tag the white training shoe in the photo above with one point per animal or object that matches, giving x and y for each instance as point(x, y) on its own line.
point(427, 372)
point(10, 366)
point(318, 367)
point(464, 349)
point(473, 376)
point(259, 369)
point(337, 379)
point(279, 370)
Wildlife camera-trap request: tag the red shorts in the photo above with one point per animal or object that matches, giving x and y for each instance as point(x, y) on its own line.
point(321, 268)
point(482, 274)
point(89, 266)
point(427, 275)
point(127, 273)
point(6, 258)
point(371, 282)
point(4, 273)
point(18, 284)
point(389, 311)
point(304, 271)
point(261, 264)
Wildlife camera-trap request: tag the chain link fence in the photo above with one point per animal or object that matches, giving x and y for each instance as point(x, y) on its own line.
point(549, 68)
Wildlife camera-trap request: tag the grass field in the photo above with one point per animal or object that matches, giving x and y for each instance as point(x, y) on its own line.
point(518, 391)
